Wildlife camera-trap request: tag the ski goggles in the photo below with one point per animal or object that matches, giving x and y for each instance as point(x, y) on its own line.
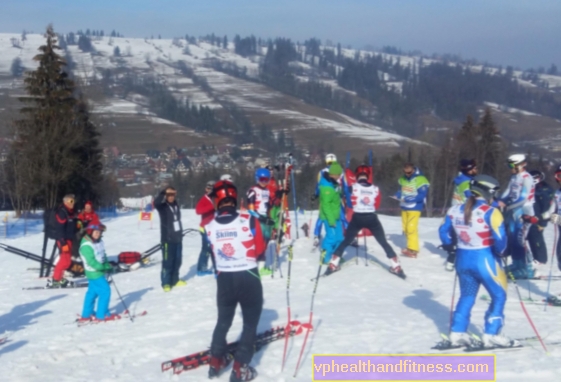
point(263, 179)
point(511, 165)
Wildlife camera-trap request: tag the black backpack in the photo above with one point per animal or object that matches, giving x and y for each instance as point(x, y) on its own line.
point(49, 219)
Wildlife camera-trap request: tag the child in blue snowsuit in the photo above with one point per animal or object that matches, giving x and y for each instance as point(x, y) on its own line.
point(93, 256)
point(481, 241)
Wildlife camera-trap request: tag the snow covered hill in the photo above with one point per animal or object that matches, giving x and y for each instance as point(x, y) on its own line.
point(161, 57)
point(361, 310)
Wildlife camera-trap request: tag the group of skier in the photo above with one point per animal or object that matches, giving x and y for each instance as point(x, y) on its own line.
point(473, 233)
point(478, 240)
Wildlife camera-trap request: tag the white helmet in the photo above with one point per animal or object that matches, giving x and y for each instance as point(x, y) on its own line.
point(227, 177)
point(516, 160)
point(330, 158)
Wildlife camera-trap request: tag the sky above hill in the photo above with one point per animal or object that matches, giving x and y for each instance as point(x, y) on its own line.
point(516, 32)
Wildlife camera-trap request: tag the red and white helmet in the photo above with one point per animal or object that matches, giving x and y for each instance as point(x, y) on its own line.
point(224, 190)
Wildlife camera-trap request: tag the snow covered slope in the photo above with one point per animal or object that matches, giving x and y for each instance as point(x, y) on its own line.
point(361, 310)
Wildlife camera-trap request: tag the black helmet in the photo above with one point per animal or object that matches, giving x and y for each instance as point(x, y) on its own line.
point(467, 165)
point(485, 186)
point(538, 176)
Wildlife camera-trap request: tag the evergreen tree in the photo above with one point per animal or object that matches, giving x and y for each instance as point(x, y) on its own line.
point(225, 42)
point(54, 134)
point(17, 68)
point(117, 52)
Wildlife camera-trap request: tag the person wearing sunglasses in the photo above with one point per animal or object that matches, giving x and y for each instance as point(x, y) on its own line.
point(205, 208)
point(468, 169)
point(517, 202)
point(66, 229)
point(412, 193)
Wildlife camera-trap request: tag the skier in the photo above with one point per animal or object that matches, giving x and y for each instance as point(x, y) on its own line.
point(468, 169)
point(235, 239)
point(330, 212)
point(481, 241)
point(517, 202)
point(205, 208)
point(365, 197)
point(171, 238)
point(258, 206)
point(92, 252)
point(544, 206)
point(66, 229)
point(329, 158)
point(413, 190)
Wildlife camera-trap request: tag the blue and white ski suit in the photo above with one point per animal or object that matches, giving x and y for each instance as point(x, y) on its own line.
point(519, 200)
point(480, 244)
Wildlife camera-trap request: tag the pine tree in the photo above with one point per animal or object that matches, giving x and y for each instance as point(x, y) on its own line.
point(54, 141)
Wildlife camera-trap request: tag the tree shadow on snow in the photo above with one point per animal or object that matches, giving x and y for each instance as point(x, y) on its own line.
point(12, 347)
point(398, 240)
point(129, 299)
point(268, 316)
point(25, 314)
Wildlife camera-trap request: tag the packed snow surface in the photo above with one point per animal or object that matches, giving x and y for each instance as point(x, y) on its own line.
point(361, 310)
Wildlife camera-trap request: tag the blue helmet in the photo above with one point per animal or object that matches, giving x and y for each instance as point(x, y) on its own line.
point(262, 173)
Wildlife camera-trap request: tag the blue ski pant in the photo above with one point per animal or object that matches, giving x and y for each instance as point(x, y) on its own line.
point(480, 267)
point(333, 237)
point(99, 290)
point(517, 232)
point(321, 223)
point(172, 258)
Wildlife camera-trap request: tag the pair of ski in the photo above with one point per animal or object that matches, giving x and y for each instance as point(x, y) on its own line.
point(117, 317)
point(195, 360)
point(476, 345)
point(551, 300)
point(401, 275)
point(71, 285)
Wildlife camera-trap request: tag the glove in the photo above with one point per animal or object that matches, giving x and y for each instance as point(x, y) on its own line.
point(316, 241)
point(540, 228)
point(556, 219)
point(530, 219)
point(450, 248)
point(314, 198)
point(65, 248)
point(107, 268)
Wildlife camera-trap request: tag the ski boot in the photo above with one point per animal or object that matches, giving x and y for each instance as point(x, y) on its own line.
point(459, 339)
point(218, 364)
point(265, 272)
point(205, 272)
point(449, 266)
point(498, 341)
point(409, 253)
point(242, 373)
point(54, 284)
point(333, 265)
point(395, 267)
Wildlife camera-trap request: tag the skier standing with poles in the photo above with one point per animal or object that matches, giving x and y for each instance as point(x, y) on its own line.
point(364, 198)
point(482, 240)
point(205, 208)
point(235, 239)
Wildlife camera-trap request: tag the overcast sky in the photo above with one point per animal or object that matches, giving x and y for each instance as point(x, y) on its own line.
point(517, 32)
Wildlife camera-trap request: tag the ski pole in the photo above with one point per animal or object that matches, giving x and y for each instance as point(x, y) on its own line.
point(121, 298)
point(524, 309)
point(308, 326)
point(365, 251)
point(555, 239)
point(452, 302)
point(290, 323)
point(293, 195)
point(356, 252)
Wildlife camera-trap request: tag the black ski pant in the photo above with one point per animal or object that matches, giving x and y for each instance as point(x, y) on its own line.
point(371, 222)
point(558, 249)
point(172, 254)
point(537, 244)
point(202, 263)
point(244, 288)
